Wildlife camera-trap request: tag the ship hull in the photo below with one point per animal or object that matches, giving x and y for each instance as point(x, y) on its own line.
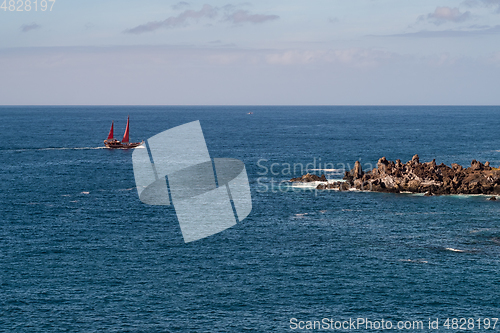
point(119, 145)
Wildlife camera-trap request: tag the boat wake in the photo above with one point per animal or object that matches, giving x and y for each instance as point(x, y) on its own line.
point(51, 148)
point(60, 148)
point(74, 148)
point(418, 261)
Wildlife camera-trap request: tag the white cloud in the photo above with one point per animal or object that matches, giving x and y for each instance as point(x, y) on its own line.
point(443, 59)
point(176, 75)
point(292, 57)
point(354, 57)
point(472, 31)
point(494, 59)
point(445, 14)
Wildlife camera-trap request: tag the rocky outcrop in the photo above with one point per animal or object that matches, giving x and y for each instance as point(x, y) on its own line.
point(357, 172)
point(416, 177)
point(309, 178)
point(428, 178)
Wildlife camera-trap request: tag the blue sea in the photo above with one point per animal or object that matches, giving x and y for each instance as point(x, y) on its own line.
point(80, 253)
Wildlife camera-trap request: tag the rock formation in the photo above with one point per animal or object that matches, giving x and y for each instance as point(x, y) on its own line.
point(416, 177)
point(309, 178)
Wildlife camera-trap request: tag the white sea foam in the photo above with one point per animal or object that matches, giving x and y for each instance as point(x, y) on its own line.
point(52, 148)
point(480, 230)
point(72, 148)
point(315, 183)
point(453, 250)
point(418, 261)
point(307, 185)
point(127, 189)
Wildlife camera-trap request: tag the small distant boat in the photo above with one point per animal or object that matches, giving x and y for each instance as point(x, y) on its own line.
point(112, 143)
point(250, 113)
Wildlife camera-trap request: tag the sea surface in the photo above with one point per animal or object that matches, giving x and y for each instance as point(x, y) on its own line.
point(80, 253)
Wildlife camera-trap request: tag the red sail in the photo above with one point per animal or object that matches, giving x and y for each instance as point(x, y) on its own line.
point(110, 135)
point(125, 136)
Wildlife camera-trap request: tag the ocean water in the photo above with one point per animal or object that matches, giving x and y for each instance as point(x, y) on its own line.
point(80, 252)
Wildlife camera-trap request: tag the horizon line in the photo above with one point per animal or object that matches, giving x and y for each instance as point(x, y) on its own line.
point(230, 105)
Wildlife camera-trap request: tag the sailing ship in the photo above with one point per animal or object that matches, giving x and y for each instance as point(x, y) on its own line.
point(112, 143)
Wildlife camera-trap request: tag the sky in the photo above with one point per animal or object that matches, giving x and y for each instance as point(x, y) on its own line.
point(314, 52)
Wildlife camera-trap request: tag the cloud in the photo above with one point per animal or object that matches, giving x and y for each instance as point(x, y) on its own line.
point(180, 5)
point(483, 30)
point(232, 14)
point(494, 59)
point(445, 14)
point(353, 57)
point(242, 16)
point(484, 3)
point(206, 11)
point(29, 27)
point(163, 75)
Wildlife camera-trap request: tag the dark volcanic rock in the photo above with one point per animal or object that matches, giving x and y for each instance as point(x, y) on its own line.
point(309, 178)
point(476, 166)
point(416, 177)
point(430, 178)
point(358, 171)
